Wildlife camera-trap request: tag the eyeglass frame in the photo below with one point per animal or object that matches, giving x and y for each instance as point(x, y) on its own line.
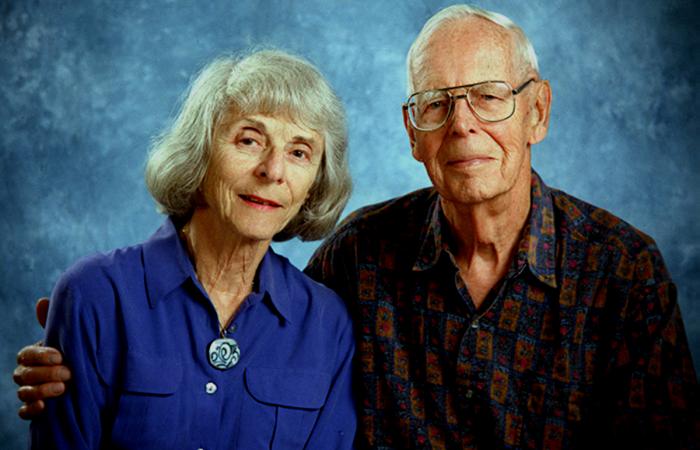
point(454, 98)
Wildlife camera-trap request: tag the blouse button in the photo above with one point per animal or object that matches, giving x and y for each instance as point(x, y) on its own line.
point(211, 388)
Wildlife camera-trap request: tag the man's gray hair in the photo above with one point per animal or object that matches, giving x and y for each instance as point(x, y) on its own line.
point(267, 82)
point(455, 13)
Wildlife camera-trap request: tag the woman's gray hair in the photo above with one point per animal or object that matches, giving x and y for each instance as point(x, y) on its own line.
point(268, 82)
point(524, 50)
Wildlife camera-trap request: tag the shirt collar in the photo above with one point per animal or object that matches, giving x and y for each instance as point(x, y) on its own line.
point(431, 240)
point(272, 282)
point(537, 245)
point(166, 263)
point(167, 266)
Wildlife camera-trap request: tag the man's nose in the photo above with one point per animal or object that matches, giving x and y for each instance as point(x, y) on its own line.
point(463, 119)
point(271, 167)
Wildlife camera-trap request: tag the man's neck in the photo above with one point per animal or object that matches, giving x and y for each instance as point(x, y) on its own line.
point(485, 237)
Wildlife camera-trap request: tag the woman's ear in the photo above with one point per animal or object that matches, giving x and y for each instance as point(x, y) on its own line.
point(199, 198)
point(539, 112)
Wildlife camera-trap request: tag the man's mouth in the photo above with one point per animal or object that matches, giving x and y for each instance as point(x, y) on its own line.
point(259, 200)
point(470, 161)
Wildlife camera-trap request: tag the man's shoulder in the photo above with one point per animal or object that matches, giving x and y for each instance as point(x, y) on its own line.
point(586, 222)
point(392, 228)
point(390, 216)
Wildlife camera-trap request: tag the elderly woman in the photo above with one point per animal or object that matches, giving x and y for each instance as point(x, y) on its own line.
point(202, 336)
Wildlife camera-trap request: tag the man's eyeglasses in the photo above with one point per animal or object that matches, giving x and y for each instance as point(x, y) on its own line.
point(491, 101)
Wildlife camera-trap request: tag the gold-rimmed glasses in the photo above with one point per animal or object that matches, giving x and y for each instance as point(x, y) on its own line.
point(491, 101)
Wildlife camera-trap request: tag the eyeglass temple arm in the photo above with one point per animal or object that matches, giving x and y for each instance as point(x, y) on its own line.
point(523, 86)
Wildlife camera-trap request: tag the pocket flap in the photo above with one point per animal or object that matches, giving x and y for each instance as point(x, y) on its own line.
point(288, 387)
point(147, 374)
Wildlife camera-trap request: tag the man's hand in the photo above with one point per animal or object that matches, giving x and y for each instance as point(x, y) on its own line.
point(39, 373)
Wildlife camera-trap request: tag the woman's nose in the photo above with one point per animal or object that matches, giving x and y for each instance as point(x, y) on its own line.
point(271, 167)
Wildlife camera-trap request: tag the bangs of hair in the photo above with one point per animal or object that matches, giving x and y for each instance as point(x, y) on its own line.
point(276, 86)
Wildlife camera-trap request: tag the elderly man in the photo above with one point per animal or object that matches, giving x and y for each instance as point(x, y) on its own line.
point(493, 311)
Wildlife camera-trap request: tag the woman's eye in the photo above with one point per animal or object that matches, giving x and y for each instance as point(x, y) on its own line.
point(300, 154)
point(248, 141)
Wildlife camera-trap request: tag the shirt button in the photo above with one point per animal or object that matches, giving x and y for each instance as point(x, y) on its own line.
point(469, 393)
point(475, 324)
point(211, 388)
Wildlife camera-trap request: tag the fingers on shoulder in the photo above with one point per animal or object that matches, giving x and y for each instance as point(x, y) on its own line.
point(32, 394)
point(31, 410)
point(37, 375)
point(38, 355)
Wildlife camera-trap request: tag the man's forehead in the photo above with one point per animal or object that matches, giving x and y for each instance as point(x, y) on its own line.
point(465, 53)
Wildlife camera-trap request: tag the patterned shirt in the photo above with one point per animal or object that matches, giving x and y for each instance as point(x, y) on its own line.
point(581, 338)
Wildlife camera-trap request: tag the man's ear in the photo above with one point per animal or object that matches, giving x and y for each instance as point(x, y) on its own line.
point(539, 112)
point(411, 133)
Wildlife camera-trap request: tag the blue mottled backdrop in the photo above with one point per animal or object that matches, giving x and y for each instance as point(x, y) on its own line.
point(85, 85)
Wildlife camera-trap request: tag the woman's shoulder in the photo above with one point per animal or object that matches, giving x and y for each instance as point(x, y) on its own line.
point(95, 276)
point(309, 294)
point(125, 264)
point(104, 264)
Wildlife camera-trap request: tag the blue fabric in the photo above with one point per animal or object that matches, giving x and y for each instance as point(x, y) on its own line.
point(134, 326)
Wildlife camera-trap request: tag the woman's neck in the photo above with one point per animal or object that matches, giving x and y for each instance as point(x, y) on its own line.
point(225, 262)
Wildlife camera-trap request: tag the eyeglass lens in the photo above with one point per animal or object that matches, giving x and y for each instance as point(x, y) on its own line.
point(490, 101)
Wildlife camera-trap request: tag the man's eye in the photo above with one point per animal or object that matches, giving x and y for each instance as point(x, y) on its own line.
point(486, 98)
point(436, 104)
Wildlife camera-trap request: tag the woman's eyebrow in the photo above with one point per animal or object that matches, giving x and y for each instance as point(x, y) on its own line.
point(251, 123)
point(305, 139)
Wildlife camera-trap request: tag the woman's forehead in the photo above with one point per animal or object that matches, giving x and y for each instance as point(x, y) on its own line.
point(279, 124)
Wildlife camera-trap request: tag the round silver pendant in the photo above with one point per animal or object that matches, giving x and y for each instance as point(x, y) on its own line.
point(224, 353)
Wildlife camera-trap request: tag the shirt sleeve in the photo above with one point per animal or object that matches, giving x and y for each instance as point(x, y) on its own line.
point(653, 389)
point(73, 420)
point(328, 265)
point(337, 422)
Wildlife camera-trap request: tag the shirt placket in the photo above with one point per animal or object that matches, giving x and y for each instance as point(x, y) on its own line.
point(217, 387)
point(474, 368)
point(210, 395)
point(467, 365)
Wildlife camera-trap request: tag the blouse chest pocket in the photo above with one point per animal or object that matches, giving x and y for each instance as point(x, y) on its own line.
point(146, 411)
point(280, 407)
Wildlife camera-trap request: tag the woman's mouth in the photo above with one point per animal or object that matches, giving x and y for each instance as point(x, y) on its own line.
point(254, 199)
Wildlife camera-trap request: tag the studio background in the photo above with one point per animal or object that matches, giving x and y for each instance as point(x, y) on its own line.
point(85, 85)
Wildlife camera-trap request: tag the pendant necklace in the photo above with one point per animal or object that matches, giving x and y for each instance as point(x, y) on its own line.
point(223, 352)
